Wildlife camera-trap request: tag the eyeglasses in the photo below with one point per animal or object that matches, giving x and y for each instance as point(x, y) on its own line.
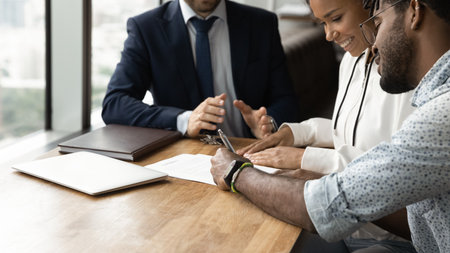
point(368, 29)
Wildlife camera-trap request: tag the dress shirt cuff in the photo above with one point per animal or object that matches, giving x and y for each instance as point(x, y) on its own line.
point(313, 132)
point(321, 160)
point(182, 121)
point(327, 208)
point(299, 131)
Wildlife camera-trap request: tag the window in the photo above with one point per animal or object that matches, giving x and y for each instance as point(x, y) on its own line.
point(22, 68)
point(109, 19)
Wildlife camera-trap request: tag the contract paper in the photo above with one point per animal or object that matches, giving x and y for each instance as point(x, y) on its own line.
point(193, 167)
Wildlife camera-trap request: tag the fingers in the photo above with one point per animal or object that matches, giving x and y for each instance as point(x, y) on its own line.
point(219, 164)
point(224, 154)
point(211, 111)
point(283, 137)
point(278, 157)
point(206, 115)
point(264, 161)
point(243, 107)
point(265, 126)
point(255, 119)
point(216, 101)
point(211, 114)
point(269, 142)
point(258, 146)
point(264, 158)
point(222, 96)
point(244, 150)
point(261, 112)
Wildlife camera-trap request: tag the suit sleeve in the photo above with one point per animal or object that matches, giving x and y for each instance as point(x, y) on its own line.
point(128, 85)
point(283, 105)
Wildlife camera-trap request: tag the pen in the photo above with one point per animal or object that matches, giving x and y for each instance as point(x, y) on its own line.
point(274, 125)
point(225, 140)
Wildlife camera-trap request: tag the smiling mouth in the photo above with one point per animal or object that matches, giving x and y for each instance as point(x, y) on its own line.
point(345, 43)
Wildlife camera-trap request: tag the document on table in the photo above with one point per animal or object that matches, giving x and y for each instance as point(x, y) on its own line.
point(192, 167)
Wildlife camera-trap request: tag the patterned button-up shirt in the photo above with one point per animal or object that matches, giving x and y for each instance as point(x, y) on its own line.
point(413, 170)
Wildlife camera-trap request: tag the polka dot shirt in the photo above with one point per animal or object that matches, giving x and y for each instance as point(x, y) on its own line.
point(411, 171)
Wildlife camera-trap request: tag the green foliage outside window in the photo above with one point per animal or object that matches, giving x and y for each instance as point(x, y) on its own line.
point(22, 111)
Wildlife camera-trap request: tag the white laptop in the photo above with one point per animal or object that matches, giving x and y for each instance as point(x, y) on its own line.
point(90, 173)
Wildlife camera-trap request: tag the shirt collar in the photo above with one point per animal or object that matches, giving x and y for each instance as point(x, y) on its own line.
point(434, 83)
point(188, 13)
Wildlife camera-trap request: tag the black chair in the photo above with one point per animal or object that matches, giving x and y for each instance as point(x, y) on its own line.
point(313, 68)
point(313, 243)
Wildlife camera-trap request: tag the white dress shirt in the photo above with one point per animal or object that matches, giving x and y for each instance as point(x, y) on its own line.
point(219, 42)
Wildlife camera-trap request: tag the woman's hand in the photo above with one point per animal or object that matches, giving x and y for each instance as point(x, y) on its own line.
point(278, 157)
point(283, 137)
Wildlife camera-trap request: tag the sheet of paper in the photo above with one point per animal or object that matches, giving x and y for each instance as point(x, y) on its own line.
point(192, 167)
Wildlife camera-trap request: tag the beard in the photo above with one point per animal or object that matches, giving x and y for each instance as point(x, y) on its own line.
point(398, 61)
point(203, 6)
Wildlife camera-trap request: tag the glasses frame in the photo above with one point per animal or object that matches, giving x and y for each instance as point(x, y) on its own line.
point(373, 33)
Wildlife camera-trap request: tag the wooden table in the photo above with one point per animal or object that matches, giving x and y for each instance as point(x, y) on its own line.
point(170, 216)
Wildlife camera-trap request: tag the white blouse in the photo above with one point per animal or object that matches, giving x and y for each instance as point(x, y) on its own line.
point(330, 150)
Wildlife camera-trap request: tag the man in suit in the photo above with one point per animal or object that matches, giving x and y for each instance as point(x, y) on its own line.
point(246, 63)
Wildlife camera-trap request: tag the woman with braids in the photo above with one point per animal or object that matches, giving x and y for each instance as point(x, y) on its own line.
point(364, 114)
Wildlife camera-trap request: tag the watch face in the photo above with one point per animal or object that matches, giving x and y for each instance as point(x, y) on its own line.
point(230, 167)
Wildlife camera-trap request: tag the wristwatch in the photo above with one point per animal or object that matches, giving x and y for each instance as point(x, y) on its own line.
point(232, 168)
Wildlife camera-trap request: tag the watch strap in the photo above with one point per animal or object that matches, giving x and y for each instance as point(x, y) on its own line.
point(236, 164)
point(236, 174)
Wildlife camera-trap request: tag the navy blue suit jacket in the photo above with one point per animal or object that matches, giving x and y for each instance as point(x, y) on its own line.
point(157, 56)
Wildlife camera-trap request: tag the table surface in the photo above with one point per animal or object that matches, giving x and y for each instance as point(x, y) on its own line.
point(170, 216)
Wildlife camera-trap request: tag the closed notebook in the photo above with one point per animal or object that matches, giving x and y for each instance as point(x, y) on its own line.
point(90, 173)
point(123, 142)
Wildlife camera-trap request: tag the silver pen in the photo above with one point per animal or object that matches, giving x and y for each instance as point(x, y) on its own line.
point(225, 140)
point(274, 125)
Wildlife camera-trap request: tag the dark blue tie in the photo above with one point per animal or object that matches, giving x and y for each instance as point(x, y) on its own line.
point(203, 55)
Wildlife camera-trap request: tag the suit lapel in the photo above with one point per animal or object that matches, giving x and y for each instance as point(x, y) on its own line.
point(179, 42)
point(238, 30)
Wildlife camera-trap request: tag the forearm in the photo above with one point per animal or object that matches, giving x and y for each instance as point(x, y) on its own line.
point(280, 196)
point(120, 108)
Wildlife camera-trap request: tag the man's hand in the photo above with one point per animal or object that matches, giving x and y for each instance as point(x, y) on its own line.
point(274, 194)
point(220, 163)
point(278, 157)
point(210, 111)
point(258, 120)
point(283, 137)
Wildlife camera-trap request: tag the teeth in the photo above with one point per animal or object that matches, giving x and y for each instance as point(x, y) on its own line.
point(346, 43)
